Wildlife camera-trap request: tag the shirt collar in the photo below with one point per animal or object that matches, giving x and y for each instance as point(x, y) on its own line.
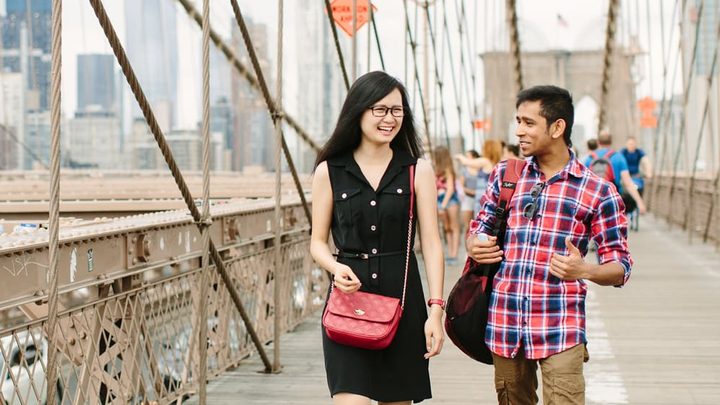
point(573, 167)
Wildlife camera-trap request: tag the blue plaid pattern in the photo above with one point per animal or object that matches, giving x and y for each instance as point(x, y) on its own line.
point(530, 307)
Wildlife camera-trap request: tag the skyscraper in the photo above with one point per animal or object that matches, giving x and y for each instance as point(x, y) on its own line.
point(26, 40)
point(253, 137)
point(151, 44)
point(96, 83)
point(320, 84)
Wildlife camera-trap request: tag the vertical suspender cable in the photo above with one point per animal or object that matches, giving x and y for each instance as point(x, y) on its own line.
point(456, 91)
point(54, 209)
point(377, 38)
point(607, 62)
point(438, 79)
point(665, 118)
point(279, 269)
point(687, 224)
point(686, 98)
point(205, 221)
point(333, 29)
point(471, 61)
point(353, 68)
point(413, 46)
point(369, 33)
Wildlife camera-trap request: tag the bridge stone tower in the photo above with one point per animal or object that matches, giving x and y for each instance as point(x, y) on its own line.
point(578, 71)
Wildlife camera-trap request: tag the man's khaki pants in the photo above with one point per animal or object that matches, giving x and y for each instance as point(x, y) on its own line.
point(562, 374)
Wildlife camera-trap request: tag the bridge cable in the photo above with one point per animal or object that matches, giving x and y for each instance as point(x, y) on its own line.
point(664, 118)
point(259, 83)
point(463, 70)
point(54, 208)
point(471, 60)
point(333, 29)
point(150, 118)
point(710, 81)
point(272, 106)
point(456, 91)
point(413, 46)
point(277, 263)
point(438, 79)
point(607, 62)
point(515, 43)
point(206, 219)
point(377, 38)
point(686, 96)
point(9, 131)
point(243, 70)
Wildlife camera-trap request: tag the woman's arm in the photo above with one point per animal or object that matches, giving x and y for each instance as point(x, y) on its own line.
point(322, 210)
point(432, 251)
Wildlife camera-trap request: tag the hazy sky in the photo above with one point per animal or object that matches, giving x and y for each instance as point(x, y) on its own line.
point(548, 24)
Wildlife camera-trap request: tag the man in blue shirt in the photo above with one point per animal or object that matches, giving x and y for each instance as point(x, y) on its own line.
point(638, 163)
point(621, 178)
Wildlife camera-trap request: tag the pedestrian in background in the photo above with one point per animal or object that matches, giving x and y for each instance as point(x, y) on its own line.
point(448, 201)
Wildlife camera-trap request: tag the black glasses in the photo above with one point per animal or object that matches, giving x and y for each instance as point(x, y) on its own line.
point(381, 111)
point(530, 209)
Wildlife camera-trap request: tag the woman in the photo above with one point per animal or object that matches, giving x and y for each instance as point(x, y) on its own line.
point(448, 200)
point(492, 152)
point(361, 192)
point(469, 180)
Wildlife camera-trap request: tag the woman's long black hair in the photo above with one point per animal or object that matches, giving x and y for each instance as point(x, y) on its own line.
point(366, 91)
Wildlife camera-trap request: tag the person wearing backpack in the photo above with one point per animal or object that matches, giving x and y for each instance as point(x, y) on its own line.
point(537, 306)
point(612, 166)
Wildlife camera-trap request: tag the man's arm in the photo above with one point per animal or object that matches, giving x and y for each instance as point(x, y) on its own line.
point(629, 187)
point(574, 267)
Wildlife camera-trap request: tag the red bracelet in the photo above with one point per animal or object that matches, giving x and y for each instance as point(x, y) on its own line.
point(437, 301)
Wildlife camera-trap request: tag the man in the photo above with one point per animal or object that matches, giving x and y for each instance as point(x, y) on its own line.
point(639, 165)
point(621, 174)
point(537, 308)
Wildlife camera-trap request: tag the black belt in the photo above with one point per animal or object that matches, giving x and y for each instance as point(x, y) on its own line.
point(366, 256)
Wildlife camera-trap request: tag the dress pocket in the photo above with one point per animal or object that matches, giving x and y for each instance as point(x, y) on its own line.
point(343, 202)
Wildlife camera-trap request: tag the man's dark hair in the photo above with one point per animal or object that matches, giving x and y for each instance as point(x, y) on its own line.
point(592, 144)
point(555, 103)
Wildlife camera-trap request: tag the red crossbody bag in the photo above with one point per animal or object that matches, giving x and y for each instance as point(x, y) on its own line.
point(366, 320)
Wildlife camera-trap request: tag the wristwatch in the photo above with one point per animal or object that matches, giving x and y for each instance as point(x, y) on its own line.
point(437, 301)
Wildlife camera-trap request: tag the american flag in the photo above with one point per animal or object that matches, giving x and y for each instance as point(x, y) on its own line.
point(561, 21)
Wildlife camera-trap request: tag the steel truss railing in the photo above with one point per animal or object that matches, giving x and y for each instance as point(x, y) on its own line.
point(129, 296)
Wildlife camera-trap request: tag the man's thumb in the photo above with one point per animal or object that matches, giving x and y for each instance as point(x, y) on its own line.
point(570, 246)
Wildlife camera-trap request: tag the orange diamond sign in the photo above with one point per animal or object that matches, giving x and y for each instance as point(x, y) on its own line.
point(343, 15)
point(647, 106)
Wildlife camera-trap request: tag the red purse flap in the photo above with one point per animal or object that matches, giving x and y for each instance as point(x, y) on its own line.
point(363, 306)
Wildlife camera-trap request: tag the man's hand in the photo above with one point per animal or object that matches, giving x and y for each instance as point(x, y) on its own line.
point(570, 267)
point(641, 207)
point(483, 252)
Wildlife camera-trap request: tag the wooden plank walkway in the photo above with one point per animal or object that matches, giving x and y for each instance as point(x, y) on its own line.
point(655, 341)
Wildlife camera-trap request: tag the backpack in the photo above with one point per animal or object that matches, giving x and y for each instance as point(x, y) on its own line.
point(467, 304)
point(602, 166)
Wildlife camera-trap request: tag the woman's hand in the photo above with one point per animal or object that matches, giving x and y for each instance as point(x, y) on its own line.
point(434, 333)
point(345, 280)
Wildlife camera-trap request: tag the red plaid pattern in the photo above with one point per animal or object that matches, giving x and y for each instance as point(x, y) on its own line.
point(530, 307)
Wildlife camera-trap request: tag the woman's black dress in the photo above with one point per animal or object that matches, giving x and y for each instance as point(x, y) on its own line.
point(375, 223)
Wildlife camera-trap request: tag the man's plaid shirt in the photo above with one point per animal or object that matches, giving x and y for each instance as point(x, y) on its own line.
point(529, 307)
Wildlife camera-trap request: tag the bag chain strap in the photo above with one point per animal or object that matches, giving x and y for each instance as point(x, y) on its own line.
point(410, 221)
